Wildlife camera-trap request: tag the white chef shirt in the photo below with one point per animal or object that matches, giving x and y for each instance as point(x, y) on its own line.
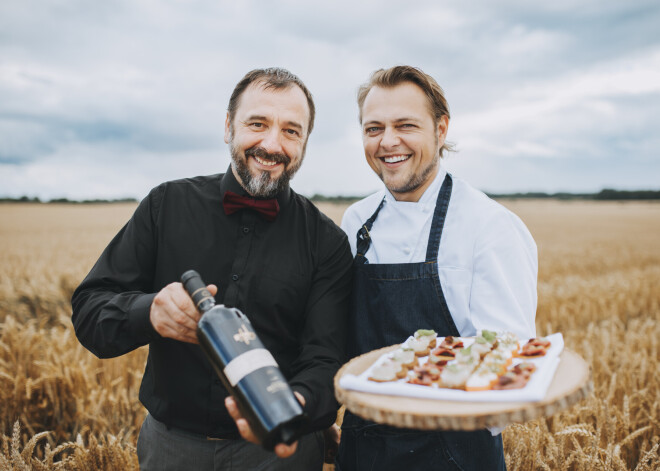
point(487, 260)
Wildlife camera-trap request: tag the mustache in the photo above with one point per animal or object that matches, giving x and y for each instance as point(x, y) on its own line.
point(260, 152)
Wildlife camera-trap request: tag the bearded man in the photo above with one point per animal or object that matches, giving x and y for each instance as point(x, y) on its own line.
point(266, 250)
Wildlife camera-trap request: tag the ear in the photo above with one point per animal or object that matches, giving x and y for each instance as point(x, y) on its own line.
point(443, 127)
point(227, 129)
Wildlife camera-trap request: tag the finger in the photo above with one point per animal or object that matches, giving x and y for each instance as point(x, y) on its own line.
point(246, 431)
point(163, 316)
point(230, 404)
point(284, 451)
point(164, 321)
point(189, 336)
point(189, 313)
point(172, 300)
point(183, 320)
point(213, 289)
point(177, 320)
point(171, 329)
point(243, 426)
point(300, 397)
point(172, 316)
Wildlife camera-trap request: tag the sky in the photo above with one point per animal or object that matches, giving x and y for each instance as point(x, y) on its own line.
point(109, 99)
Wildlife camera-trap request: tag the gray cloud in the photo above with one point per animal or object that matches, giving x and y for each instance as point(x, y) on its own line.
point(114, 97)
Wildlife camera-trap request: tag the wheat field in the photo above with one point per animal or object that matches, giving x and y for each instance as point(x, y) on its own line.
point(599, 284)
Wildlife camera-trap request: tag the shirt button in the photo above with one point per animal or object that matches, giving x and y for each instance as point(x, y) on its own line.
point(234, 277)
point(406, 250)
point(246, 230)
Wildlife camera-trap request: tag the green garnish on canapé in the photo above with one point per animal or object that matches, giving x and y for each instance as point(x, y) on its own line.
point(424, 332)
point(465, 351)
point(489, 335)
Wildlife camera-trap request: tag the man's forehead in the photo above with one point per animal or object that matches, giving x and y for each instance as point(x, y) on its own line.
point(262, 88)
point(395, 102)
point(259, 95)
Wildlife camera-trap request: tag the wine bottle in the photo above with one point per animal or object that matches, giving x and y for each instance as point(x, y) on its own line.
point(246, 368)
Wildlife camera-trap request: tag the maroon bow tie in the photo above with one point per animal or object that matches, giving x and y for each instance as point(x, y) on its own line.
point(233, 202)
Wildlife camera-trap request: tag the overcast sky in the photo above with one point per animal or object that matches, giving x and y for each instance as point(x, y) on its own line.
point(107, 99)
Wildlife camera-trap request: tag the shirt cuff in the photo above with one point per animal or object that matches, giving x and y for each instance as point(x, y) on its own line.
point(139, 322)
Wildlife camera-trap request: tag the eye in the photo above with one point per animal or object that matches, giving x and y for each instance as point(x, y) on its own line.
point(292, 132)
point(371, 130)
point(407, 126)
point(256, 125)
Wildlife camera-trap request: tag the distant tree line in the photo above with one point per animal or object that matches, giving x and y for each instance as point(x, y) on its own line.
point(603, 195)
point(335, 199)
point(627, 195)
point(27, 199)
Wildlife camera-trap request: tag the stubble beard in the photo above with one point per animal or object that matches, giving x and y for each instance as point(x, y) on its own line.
point(263, 185)
point(415, 181)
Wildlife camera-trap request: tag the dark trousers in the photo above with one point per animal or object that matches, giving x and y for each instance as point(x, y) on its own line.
point(366, 446)
point(163, 449)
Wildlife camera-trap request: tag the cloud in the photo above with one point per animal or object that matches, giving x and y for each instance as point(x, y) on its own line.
point(110, 98)
point(576, 115)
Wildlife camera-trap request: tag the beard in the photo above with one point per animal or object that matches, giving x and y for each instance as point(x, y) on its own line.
point(415, 181)
point(261, 184)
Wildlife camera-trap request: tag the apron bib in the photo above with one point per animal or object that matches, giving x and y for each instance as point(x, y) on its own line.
point(389, 303)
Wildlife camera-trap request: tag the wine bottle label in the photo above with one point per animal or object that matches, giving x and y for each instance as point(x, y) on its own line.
point(246, 363)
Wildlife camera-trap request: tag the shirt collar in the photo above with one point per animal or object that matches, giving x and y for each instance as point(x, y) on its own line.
point(430, 195)
point(229, 183)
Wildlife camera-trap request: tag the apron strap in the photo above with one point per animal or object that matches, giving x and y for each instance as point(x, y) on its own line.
point(438, 223)
point(363, 236)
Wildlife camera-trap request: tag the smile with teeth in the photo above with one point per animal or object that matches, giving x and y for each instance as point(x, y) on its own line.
point(267, 163)
point(392, 159)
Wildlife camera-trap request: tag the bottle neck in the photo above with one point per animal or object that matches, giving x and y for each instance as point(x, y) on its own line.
point(196, 288)
point(206, 303)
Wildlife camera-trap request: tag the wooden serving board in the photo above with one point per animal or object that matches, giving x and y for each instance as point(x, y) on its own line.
point(571, 383)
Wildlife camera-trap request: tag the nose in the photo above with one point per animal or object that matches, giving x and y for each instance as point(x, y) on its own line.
point(272, 141)
point(390, 138)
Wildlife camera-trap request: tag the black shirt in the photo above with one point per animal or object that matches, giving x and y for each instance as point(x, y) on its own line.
point(291, 277)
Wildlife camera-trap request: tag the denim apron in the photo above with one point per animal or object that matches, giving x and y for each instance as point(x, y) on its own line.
point(389, 303)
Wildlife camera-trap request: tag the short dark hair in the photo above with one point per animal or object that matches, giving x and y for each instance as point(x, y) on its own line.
point(272, 77)
point(388, 78)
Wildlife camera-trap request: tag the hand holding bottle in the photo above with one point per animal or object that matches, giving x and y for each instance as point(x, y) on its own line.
point(247, 370)
point(281, 449)
point(174, 315)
